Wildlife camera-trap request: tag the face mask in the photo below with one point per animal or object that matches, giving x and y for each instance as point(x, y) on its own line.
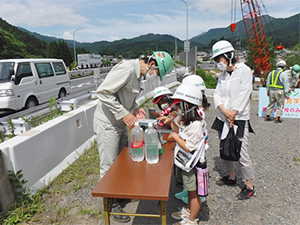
point(221, 66)
point(164, 106)
point(154, 74)
point(148, 76)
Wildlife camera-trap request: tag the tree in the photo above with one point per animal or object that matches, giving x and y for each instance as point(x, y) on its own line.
point(10, 47)
point(64, 52)
point(52, 49)
point(209, 80)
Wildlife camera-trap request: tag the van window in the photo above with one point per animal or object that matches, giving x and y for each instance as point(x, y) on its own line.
point(44, 70)
point(4, 70)
point(59, 68)
point(24, 70)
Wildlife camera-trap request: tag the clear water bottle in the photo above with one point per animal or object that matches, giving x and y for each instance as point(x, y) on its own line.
point(137, 143)
point(151, 145)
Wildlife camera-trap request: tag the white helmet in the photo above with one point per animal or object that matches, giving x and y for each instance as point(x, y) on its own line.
point(159, 92)
point(188, 93)
point(281, 63)
point(194, 80)
point(221, 47)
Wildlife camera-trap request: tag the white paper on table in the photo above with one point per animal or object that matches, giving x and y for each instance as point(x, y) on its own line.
point(226, 129)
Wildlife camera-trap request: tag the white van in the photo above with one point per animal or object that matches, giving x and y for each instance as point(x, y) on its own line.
point(25, 83)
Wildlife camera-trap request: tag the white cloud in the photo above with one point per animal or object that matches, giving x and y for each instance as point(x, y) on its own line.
point(116, 19)
point(114, 38)
point(214, 9)
point(39, 13)
point(67, 36)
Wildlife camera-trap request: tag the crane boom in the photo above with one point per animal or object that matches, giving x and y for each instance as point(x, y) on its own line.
point(256, 36)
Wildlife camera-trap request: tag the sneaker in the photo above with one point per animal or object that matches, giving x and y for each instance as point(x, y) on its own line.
point(226, 181)
point(182, 194)
point(202, 199)
point(278, 120)
point(246, 193)
point(187, 221)
point(267, 118)
point(116, 208)
point(185, 199)
point(183, 213)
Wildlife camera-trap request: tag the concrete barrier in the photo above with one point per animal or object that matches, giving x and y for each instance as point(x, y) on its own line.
point(6, 191)
point(43, 152)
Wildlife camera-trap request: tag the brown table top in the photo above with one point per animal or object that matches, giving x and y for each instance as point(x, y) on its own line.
point(137, 180)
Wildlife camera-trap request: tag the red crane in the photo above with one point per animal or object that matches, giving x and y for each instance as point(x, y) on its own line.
point(256, 36)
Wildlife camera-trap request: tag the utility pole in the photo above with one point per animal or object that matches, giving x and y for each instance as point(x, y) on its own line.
point(186, 43)
point(74, 45)
point(175, 48)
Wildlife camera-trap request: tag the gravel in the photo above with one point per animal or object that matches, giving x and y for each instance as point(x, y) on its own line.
point(274, 150)
point(275, 154)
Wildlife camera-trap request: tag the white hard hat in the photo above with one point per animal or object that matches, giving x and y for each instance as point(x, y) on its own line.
point(188, 93)
point(281, 63)
point(194, 80)
point(159, 92)
point(221, 47)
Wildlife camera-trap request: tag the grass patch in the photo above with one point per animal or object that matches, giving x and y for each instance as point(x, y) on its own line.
point(30, 209)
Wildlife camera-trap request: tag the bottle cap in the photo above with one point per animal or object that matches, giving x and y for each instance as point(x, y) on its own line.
point(136, 123)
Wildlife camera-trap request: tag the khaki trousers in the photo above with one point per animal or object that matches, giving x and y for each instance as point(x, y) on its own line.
point(110, 140)
point(276, 96)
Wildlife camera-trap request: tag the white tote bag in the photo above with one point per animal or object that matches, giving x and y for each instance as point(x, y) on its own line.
point(185, 160)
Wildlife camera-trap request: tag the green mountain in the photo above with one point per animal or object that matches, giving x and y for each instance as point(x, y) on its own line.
point(285, 31)
point(15, 43)
point(142, 45)
point(18, 42)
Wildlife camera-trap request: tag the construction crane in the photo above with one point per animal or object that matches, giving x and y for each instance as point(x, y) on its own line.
point(256, 37)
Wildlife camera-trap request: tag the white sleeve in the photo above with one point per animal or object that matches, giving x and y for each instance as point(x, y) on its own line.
point(217, 93)
point(241, 101)
point(194, 135)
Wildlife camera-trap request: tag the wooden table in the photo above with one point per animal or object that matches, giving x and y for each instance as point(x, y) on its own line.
point(126, 179)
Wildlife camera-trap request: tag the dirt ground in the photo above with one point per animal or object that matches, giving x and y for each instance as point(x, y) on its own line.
point(275, 154)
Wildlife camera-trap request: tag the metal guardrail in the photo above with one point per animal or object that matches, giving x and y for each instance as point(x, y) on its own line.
point(21, 126)
point(86, 72)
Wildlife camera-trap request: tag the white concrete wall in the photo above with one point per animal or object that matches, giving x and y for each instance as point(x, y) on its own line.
point(45, 151)
point(43, 148)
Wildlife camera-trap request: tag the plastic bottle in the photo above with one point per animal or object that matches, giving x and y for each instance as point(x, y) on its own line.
point(137, 143)
point(151, 145)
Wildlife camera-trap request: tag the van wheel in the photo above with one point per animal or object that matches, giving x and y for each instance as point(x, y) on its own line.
point(30, 103)
point(62, 93)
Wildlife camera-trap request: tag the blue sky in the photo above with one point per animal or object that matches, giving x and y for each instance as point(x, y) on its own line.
point(117, 19)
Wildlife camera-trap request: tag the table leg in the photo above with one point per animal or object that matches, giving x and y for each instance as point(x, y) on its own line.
point(163, 211)
point(106, 211)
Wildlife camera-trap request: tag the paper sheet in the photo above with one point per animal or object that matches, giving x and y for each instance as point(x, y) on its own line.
point(226, 129)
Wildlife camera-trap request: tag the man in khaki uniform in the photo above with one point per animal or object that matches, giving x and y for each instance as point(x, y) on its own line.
point(117, 107)
point(277, 90)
